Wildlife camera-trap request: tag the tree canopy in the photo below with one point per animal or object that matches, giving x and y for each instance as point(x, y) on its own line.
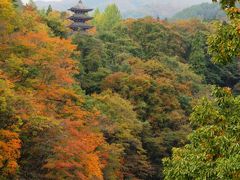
point(213, 152)
point(114, 102)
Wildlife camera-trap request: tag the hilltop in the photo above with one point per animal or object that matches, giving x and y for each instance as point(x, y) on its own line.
point(204, 11)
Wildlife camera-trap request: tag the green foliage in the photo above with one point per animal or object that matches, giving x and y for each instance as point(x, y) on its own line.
point(196, 35)
point(213, 152)
point(157, 93)
point(227, 3)
point(155, 38)
point(202, 64)
point(224, 44)
point(49, 9)
point(100, 56)
point(41, 130)
point(122, 130)
point(214, 149)
point(159, 87)
point(57, 22)
point(17, 3)
point(93, 62)
point(107, 20)
point(8, 118)
point(145, 75)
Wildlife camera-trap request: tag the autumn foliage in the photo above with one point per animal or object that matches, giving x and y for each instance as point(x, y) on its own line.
point(110, 104)
point(38, 104)
point(10, 145)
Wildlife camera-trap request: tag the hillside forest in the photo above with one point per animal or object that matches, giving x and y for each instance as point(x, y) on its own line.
point(132, 99)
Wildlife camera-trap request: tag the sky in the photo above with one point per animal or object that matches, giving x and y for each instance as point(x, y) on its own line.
point(25, 1)
point(128, 8)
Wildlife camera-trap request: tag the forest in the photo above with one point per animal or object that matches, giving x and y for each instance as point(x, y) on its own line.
point(131, 99)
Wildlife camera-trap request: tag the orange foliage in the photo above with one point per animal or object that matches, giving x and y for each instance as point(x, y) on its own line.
point(191, 26)
point(76, 154)
point(50, 55)
point(92, 31)
point(41, 68)
point(10, 145)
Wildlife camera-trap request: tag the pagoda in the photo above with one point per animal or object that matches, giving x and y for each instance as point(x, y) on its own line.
point(80, 17)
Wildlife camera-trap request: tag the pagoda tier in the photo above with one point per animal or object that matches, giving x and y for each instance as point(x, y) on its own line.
point(78, 25)
point(77, 9)
point(80, 17)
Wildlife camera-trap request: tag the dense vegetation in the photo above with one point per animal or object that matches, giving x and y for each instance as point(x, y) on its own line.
point(111, 104)
point(213, 152)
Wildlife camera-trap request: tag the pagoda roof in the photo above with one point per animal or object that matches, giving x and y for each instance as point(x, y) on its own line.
point(80, 7)
point(80, 25)
point(80, 16)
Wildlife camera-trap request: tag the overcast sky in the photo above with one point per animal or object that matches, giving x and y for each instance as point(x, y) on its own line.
point(128, 8)
point(25, 1)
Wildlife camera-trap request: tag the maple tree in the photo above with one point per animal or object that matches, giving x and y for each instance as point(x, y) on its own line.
point(76, 154)
point(39, 72)
point(10, 145)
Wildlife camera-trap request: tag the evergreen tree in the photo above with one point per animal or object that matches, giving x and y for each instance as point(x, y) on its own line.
point(49, 9)
point(107, 20)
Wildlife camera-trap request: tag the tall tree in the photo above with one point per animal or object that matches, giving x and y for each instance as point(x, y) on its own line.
point(122, 130)
point(107, 20)
point(49, 9)
point(224, 44)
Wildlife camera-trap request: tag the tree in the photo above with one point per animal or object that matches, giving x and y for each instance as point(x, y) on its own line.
point(38, 106)
point(49, 9)
point(107, 20)
point(18, 3)
point(76, 154)
point(57, 22)
point(159, 100)
point(155, 38)
point(214, 149)
point(224, 44)
point(201, 63)
point(10, 145)
point(122, 130)
point(227, 3)
point(7, 17)
point(92, 62)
